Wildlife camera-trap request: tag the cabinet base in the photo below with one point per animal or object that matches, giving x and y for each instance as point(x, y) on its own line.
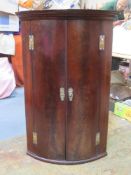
point(64, 162)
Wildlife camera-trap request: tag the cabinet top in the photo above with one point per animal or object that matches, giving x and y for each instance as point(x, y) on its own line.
point(67, 14)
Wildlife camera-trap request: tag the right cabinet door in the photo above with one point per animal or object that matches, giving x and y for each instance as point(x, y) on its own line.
point(88, 89)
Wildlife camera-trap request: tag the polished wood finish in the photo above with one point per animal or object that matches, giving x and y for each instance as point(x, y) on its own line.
point(48, 75)
point(66, 55)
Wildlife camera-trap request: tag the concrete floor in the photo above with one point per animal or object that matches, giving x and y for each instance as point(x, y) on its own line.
point(14, 161)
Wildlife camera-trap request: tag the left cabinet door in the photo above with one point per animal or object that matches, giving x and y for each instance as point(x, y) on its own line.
point(47, 64)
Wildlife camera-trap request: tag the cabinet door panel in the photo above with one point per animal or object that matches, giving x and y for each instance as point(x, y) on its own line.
point(84, 77)
point(48, 59)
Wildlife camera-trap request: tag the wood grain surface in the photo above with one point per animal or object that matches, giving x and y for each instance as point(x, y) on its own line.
point(66, 55)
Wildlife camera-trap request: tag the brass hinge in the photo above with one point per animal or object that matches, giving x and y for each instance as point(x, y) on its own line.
point(97, 138)
point(34, 138)
point(102, 42)
point(31, 42)
point(62, 93)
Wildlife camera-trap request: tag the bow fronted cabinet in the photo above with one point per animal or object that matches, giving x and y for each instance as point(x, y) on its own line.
point(67, 61)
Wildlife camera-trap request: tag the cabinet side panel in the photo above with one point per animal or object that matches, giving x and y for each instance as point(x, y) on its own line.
point(48, 59)
point(84, 76)
point(27, 67)
point(105, 57)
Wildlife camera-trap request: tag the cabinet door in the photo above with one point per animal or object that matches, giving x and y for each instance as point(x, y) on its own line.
point(85, 80)
point(48, 71)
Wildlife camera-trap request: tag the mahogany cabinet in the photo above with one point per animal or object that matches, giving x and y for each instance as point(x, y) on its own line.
point(67, 60)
